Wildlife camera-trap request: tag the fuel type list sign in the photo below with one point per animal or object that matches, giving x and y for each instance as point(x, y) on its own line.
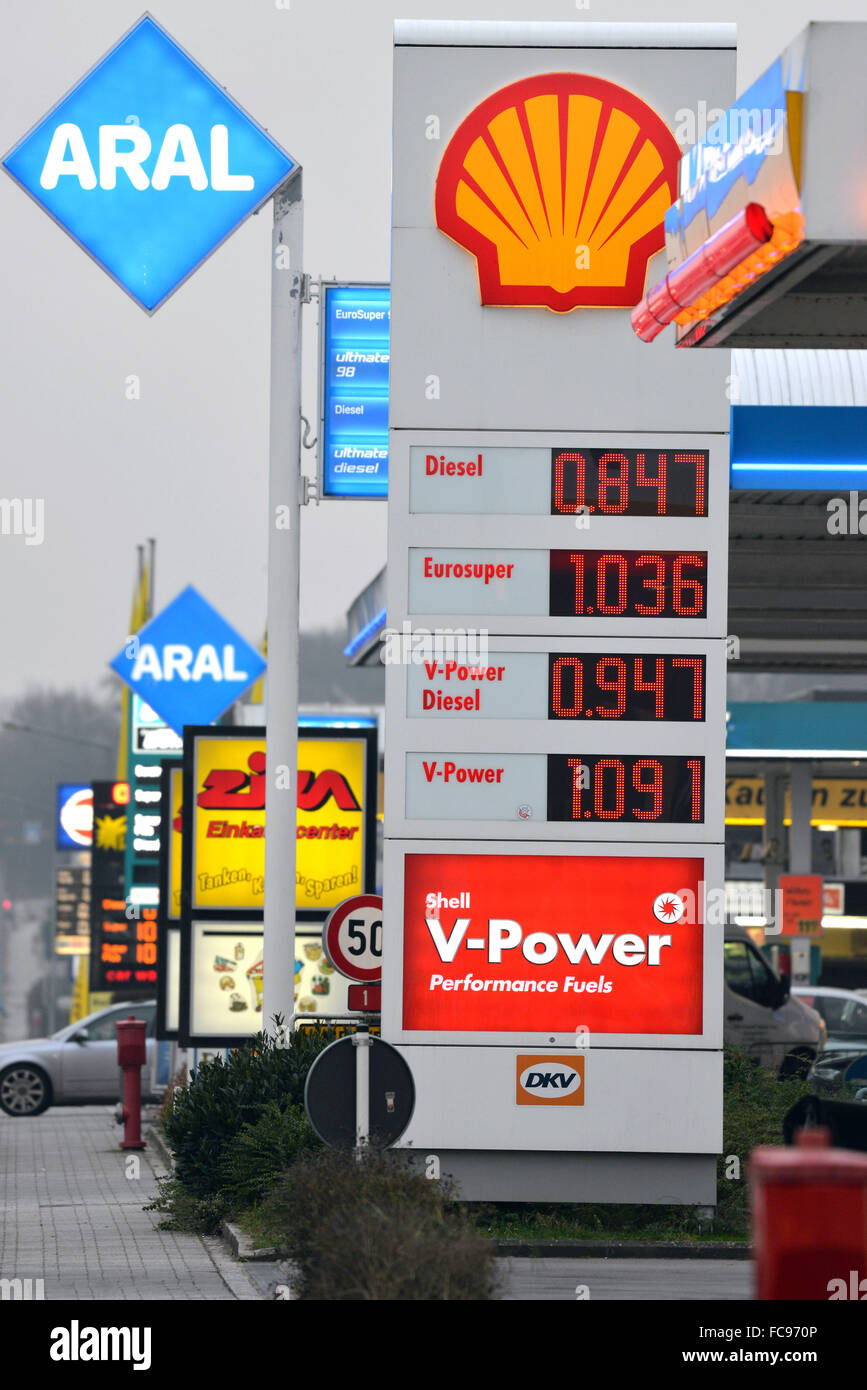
point(356, 327)
point(123, 955)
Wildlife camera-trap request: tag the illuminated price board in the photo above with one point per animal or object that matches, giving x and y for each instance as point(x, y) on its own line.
point(610, 683)
point(629, 482)
point(626, 789)
point(575, 590)
point(626, 477)
point(584, 792)
point(628, 583)
point(604, 686)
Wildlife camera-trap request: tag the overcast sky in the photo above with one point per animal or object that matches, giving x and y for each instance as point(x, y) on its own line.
point(187, 462)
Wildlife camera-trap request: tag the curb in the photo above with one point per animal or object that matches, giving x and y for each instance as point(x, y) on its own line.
point(158, 1144)
point(626, 1249)
point(243, 1249)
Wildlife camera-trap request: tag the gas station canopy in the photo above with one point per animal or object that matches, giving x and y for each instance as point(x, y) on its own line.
point(767, 244)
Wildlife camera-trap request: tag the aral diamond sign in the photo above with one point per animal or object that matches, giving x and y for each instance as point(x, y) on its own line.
point(148, 164)
point(187, 663)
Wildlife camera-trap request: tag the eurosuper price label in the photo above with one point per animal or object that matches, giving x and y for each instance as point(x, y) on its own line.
point(527, 944)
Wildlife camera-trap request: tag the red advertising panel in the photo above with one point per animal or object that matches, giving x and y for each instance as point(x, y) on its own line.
point(531, 943)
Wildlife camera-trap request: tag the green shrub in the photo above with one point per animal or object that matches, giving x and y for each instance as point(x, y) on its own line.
point(224, 1096)
point(375, 1230)
point(181, 1211)
point(755, 1100)
point(259, 1153)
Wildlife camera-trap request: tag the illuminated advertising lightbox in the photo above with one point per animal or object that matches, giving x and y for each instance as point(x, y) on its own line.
point(226, 981)
point(354, 359)
point(534, 944)
point(123, 955)
point(74, 815)
point(336, 831)
point(169, 918)
point(148, 164)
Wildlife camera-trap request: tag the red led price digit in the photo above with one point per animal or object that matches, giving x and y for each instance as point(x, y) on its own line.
point(577, 771)
point(681, 586)
point(659, 482)
point(616, 766)
point(620, 482)
point(569, 456)
point(618, 684)
point(577, 558)
point(651, 610)
point(700, 465)
point(694, 662)
point(657, 685)
point(652, 787)
point(602, 604)
point(573, 664)
point(695, 767)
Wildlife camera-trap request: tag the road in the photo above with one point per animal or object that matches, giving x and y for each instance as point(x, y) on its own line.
point(527, 1279)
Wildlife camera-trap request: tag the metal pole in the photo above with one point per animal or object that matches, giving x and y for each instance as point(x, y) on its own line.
point(361, 1041)
point(278, 961)
point(152, 566)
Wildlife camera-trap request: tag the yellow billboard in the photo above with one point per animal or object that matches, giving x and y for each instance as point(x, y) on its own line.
point(336, 796)
point(836, 801)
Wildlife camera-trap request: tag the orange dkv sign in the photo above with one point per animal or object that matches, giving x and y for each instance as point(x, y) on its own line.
point(505, 943)
point(558, 185)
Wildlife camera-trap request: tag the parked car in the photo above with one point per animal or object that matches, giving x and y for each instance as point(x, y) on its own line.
point(760, 1013)
point(844, 1012)
point(76, 1065)
point(841, 1073)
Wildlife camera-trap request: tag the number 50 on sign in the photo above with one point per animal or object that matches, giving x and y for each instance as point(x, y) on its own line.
point(352, 938)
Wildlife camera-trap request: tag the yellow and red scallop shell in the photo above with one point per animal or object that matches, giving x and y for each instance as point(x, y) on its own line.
point(558, 185)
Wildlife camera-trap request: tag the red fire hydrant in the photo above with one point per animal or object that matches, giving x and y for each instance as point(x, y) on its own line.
point(809, 1217)
point(131, 1056)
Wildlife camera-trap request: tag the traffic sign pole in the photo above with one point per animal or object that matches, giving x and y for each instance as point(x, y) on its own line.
point(283, 598)
point(361, 1042)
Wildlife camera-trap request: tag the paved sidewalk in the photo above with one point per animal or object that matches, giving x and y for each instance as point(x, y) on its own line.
point(71, 1214)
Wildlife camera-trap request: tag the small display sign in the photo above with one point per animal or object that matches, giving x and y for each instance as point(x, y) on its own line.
point(354, 353)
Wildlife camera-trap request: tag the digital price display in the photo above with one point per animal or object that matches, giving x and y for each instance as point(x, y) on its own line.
point(626, 789)
point(629, 482)
point(354, 364)
point(598, 685)
point(489, 478)
point(628, 583)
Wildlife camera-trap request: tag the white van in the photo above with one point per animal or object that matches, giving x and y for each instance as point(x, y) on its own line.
point(760, 1014)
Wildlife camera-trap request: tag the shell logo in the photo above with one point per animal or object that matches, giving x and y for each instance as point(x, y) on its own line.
point(558, 185)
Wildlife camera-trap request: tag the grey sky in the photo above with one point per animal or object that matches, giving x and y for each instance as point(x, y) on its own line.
point(187, 462)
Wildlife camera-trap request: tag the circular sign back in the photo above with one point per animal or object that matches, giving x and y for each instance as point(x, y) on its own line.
point(329, 1094)
point(352, 938)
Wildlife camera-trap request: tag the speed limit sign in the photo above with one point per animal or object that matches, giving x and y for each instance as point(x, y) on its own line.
point(352, 938)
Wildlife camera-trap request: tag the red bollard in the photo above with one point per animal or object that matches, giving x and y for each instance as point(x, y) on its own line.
point(809, 1218)
point(131, 1056)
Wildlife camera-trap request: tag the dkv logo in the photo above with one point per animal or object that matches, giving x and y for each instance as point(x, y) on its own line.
point(546, 1079)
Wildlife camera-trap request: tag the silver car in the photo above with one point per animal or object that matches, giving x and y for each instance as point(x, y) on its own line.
point(76, 1065)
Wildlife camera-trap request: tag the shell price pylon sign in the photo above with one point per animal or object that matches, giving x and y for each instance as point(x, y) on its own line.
point(558, 185)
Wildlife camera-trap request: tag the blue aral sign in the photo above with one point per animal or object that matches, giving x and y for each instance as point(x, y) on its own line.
point(356, 324)
point(187, 663)
point(148, 164)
